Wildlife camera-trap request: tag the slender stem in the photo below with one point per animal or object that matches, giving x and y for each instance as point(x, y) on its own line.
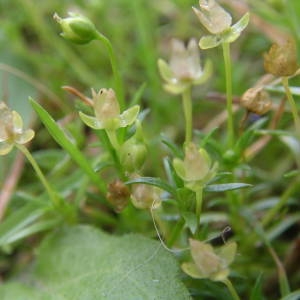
point(282, 277)
point(227, 61)
point(52, 194)
point(187, 108)
point(199, 198)
point(115, 69)
point(175, 233)
point(285, 83)
point(231, 289)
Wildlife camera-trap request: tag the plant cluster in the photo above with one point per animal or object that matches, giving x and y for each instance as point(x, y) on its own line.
point(201, 195)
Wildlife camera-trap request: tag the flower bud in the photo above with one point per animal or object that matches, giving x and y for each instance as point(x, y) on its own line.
point(76, 28)
point(256, 100)
point(196, 169)
point(118, 195)
point(281, 60)
point(145, 196)
point(133, 152)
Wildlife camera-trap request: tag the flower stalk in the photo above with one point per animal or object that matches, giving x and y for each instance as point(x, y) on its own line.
point(228, 75)
point(292, 103)
point(187, 108)
point(52, 194)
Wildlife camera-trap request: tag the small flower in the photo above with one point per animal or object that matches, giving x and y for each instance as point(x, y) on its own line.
point(107, 112)
point(184, 68)
point(256, 100)
point(210, 263)
point(76, 28)
point(11, 130)
point(218, 22)
point(213, 16)
point(281, 60)
point(133, 152)
point(196, 169)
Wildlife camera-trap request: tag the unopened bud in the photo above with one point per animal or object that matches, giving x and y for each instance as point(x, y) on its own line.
point(118, 195)
point(281, 60)
point(76, 28)
point(256, 100)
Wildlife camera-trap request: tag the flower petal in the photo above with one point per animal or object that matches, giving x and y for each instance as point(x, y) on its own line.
point(213, 16)
point(24, 137)
point(210, 41)
point(207, 72)
point(227, 253)
point(6, 122)
point(5, 148)
point(17, 122)
point(204, 257)
point(129, 116)
point(177, 88)
point(234, 32)
point(191, 269)
point(165, 70)
point(179, 167)
point(91, 121)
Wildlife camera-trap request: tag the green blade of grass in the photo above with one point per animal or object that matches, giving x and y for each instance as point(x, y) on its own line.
point(60, 137)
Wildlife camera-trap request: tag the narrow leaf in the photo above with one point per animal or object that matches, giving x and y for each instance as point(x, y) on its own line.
point(59, 136)
point(222, 187)
point(154, 181)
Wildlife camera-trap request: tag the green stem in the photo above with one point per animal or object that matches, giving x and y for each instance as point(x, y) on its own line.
point(231, 289)
point(114, 66)
point(187, 108)
point(199, 198)
point(227, 61)
point(52, 194)
point(282, 277)
point(285, 83)
point(175, 233)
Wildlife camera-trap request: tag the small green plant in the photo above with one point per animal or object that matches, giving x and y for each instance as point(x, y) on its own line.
point(112, 184)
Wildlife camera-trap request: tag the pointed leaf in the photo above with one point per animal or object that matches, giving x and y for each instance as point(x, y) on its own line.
point(60, 137)
point(222, 187)
point(190, 220)
point(154, 181)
